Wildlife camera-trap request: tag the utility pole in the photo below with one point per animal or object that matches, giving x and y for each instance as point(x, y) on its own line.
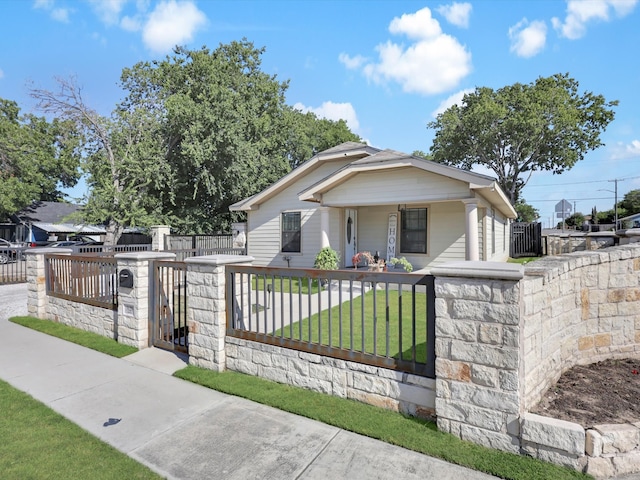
point(615, 205)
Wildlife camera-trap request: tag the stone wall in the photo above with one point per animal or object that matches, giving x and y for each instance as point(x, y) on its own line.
point(578, 309)
point(80, 315)
point(402, 392)
point(478, 335)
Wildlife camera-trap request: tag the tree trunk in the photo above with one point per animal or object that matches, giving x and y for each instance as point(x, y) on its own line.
point(114, 232)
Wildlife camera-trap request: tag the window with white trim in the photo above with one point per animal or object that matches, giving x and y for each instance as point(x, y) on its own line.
point(290, 227)
point(413, 230)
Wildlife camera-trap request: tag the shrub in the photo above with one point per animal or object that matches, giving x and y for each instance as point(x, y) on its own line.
point(403, 262)
point(327, 259)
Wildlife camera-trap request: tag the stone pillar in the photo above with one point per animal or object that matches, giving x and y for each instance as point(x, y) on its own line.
point(472, 251)
point(158, 232)
point(207, 308)
point(36, 280)
point(132, 323)
point(324, 227)
point(479, 381)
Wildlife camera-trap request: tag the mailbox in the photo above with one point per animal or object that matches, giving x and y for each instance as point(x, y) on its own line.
point(125, 278)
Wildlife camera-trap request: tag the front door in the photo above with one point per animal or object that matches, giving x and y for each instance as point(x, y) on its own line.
point(350, 232)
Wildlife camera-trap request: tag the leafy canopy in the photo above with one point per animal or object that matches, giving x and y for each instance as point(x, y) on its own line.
point(519, 129)
point(37, 158)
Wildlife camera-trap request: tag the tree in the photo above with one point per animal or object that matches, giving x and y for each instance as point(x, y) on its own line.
point(309, 135)
point(631, 202)
point(37, 158)
point(519, 129)
point(526, 213)
point(224, 126)
point(421, 154)
point(123, 159)
point(575, 220)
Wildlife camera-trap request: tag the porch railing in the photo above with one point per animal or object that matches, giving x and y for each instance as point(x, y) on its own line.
point(83, 279)
point(381, 319)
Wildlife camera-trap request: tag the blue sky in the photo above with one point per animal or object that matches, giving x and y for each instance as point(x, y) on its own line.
point(387, 67)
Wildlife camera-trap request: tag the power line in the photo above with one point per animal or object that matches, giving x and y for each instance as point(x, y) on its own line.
point(582, 183)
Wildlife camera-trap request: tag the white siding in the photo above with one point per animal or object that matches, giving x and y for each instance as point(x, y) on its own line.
point(445, 233)
point(502, 238)
point(396, 186)
point(263, 236)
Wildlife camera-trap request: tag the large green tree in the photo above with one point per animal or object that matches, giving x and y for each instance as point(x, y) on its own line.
point(123, 159)
point(37, 158)
point(309, 135)
point(224, 126)
point(522, 128)
point(630, 202)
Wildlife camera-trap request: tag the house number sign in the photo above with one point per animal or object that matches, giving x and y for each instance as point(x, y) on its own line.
point(391, 236)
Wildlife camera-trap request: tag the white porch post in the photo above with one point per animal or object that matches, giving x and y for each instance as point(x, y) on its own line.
point(324, 227)
point(471, 230)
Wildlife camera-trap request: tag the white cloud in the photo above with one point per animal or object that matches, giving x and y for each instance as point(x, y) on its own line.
point(622, 151)
point(334, 111)
point(528, 39)
point(435, 63)
point(1, 73)
point(108, 10)
point(58, 14)
point(172, 23)
point(457, 13)
point(580, 13)
point(130, 24)
point(352, 62)
point(455, 99)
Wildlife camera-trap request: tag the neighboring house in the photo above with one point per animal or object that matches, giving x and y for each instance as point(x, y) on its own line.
point(631, 221)
point(44, 222)
point(355, 198)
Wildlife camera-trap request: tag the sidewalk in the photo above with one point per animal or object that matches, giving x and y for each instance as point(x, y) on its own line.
point(185, 431)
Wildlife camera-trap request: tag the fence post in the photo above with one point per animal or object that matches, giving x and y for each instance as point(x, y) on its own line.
point(134, 304)
point(207, 308)
point(37, 301)
point(158, 234)
point(479, 384)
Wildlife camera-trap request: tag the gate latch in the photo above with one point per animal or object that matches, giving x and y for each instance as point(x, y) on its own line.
point(125, 278)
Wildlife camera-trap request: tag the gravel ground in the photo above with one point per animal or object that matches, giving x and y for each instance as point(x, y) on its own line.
point(13, 300)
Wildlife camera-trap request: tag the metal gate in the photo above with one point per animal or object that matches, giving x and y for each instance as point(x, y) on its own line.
point(526, 240)
point(168, 328)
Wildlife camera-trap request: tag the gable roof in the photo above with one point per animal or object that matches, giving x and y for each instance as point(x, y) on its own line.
point(352, 150)
point(370, 159)
point(47, 212)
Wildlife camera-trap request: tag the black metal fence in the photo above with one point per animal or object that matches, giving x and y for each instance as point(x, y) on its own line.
point(13, 265)
point(381, 319)
point(526, 240)
point(169, 298)
point(186, 242)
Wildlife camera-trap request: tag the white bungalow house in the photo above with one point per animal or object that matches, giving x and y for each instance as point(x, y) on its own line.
point(356, 198)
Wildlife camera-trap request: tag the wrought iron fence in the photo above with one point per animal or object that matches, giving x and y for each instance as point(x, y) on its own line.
point(13, 265)
point(382, 319)
point(169, 297)
point(84, 279)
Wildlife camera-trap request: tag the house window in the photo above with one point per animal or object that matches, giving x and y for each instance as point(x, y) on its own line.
point(413, 232)
point(290, 226)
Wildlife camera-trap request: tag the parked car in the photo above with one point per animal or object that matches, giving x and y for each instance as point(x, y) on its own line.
point(84, 240)
point(64, 243)
point(9, 250)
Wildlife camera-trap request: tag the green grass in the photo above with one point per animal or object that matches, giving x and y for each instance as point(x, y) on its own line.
point(39, 443)
point(361, 328)
point(391, 427)
point(297, 285)
point(75, 335)
point(523, 260)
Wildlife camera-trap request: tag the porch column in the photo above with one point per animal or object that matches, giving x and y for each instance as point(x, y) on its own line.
point(471, 230)
point(324, 227)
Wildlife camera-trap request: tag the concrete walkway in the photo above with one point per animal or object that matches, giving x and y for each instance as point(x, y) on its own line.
point(185, 431)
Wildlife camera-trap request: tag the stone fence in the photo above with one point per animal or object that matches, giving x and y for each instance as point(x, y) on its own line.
point(504, 334)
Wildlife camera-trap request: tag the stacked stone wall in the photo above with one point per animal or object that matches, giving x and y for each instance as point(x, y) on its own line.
point(579, 309)
point(399, 391)
point(80, 315)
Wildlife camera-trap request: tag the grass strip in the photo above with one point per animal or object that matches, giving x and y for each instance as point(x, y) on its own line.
point(86, 339)
point(39, 443)
point(391, 427)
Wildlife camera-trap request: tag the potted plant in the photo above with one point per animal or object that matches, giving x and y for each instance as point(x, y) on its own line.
point(374, 262)
point(401, 263)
